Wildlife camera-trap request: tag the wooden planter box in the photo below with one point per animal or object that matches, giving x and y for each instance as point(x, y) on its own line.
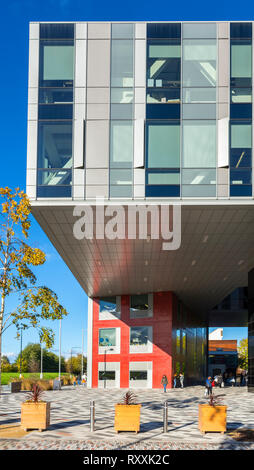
point(35, 415)
point(127, 418)
point(15, 387)
point(212, 418)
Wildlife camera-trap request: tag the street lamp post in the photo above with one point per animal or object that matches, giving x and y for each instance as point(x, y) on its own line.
point(20, 363)
point(41, 374)
point(59, 371)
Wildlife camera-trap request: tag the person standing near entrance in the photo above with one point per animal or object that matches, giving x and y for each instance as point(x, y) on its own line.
point(181, 376)
point(208, 385)
point(164, 382)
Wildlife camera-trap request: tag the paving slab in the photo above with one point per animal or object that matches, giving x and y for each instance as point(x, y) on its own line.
point(70, 419)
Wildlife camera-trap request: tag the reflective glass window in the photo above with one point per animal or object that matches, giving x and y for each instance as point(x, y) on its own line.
point(200, 176)
point(199, 30)
point(199, 62)
point(56, 63)
point(122, 31)
point(107, 337)
point(121, 191)
point(121, 144)
point(241, 95)
point(122, 95)
point(138, 335)
point(122, 70)
point(54, 178)
point(121, 177)
point(199, 111)
point(199, 144)
point(241, 59)
point(121, 111)
point(108, 305)
point(55, 145)
point(198, 190)
point(163, 145)
point(199, 95)
point(169, 111)
point(164, 64)
point(241, 135)
point(172, 177)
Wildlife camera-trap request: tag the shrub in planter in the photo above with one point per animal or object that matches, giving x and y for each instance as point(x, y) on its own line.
point(45, 384)
point(35, 413)
point(127, 414)
point(212, 417)
point(27, 384)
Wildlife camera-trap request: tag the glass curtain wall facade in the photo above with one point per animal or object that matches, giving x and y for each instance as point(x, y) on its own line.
point(241, 109)
point(199, 77)
point(55, 110)
point(121, 110)
point(163, 110)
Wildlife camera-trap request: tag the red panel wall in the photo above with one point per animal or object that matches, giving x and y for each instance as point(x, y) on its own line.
point(162, 339)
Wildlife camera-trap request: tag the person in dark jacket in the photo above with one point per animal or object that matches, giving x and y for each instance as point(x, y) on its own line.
point(164, 382)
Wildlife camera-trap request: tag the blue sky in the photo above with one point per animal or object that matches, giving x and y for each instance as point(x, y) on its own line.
point(16, 15)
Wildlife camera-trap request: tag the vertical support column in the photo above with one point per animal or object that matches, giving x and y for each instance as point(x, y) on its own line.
point(140, 110)
point(79, 110)
point(33, 82)
point(90, 342)
point(251, 331)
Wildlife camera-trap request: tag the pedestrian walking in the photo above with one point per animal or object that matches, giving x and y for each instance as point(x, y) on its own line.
point(175, 380)
point(164, 382)
point(208, 385)
point(181, 380)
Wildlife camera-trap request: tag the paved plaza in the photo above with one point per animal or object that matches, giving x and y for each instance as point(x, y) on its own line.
point(70, 423)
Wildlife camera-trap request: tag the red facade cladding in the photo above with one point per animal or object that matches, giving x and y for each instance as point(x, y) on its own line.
point(161, 357)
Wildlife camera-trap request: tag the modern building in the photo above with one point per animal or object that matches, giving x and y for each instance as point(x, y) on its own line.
point(145, 116)
point(223, 355)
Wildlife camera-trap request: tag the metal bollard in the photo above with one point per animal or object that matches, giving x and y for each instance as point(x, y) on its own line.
point(165, 417)
point(92, 415)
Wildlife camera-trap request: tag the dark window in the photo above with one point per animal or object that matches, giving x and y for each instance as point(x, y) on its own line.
point(55, 95)
point(164, 30)
point(56, 31)
point(240, 157)
point(139, 302)
point(241, 111)
point(240, 176)
point(55, 111)
point(169, 111)
point(54, 191)
point(240, 30)
point(138, 375)
point(163, 95)
point(240, 190)
point(162, 191)
point(107, 375)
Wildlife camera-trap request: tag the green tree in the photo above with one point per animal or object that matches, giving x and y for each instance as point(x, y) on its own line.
point(73, 365)
point(31, 354)
point(17, 258)
point(243, 354)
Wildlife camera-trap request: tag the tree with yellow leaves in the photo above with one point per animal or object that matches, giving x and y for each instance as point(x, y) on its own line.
point(17, 258)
